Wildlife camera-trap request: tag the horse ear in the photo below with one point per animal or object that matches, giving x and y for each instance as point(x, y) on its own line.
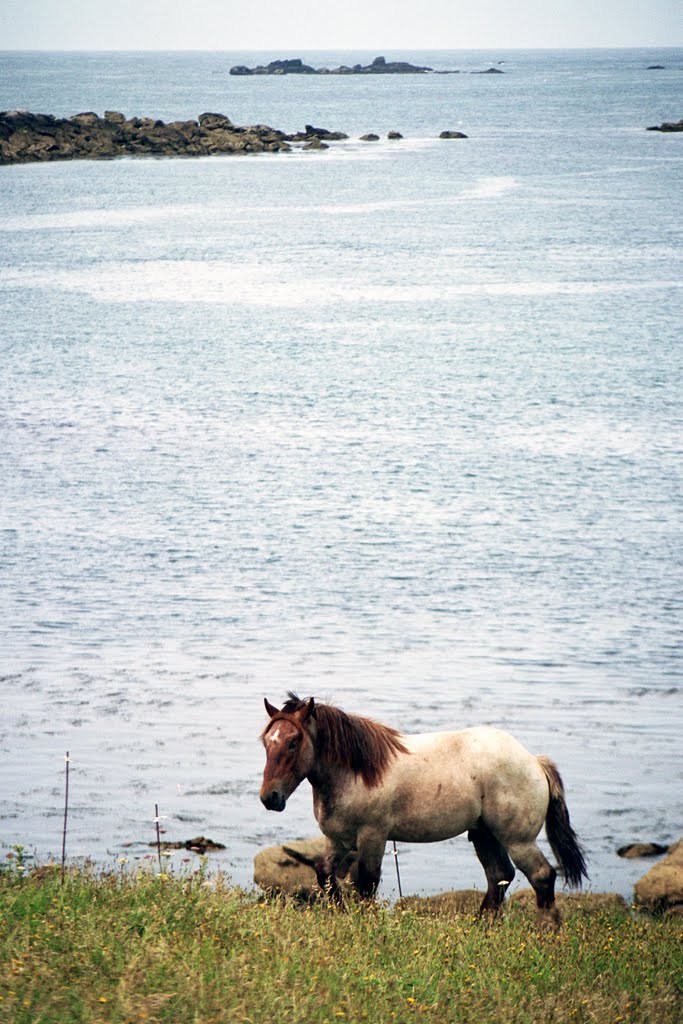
point(269, 708)
point(307, 711)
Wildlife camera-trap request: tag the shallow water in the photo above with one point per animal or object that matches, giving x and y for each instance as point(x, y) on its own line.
point(399, 426)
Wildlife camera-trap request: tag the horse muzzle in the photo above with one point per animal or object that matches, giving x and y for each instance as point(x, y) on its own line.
point(273, 799)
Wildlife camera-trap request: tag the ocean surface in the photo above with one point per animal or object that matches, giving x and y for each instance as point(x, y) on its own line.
point(397, 424)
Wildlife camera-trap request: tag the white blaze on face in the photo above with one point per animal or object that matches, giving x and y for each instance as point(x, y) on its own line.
point(273, 736)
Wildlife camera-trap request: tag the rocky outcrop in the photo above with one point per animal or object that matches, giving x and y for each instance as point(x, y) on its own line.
point(26, 137)
point(276, 67)
point(379, 66)
point(662, 887)
point(667, 126)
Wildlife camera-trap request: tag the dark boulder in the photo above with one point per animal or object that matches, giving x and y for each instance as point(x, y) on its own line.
point(667, 126)
point(210, 121)
point(394, 135)
point(370, 137)
point(452, 135)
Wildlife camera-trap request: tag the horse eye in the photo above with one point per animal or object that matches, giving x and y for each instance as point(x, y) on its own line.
point(292, 745)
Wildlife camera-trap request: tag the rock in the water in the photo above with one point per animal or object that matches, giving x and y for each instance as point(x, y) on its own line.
point(667, 126)
point(315, 143)
point(200, 844)
point(290, 869)
point(394, 135)
point(370, 137)
point(310, 132)
point(295, 66)
point(452, 135)
point(634, 850)
point(662, 887)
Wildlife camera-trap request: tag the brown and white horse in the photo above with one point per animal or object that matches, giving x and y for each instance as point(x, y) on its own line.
point(372, 784)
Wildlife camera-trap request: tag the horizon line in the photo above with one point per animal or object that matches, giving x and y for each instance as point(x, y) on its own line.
point(318, 49)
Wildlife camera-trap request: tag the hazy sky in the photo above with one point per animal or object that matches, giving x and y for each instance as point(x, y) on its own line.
point(351, 24)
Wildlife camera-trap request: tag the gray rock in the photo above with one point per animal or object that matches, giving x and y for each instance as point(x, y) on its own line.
point(370, 137)
point(452, 135)
point(289, 869)
point(634, 850)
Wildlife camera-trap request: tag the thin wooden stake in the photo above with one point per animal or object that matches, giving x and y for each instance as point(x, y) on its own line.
point(156, 821)
point(66, 814)
point(398, 873)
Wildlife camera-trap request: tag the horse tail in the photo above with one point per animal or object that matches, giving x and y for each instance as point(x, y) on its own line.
point(561, 836)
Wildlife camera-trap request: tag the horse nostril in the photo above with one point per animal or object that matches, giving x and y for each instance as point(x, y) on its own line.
point(273, 801)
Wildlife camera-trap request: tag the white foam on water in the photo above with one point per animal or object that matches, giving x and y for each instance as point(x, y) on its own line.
point(590, 436)
point(98, 218)
point(490, 187)
point(282, 285)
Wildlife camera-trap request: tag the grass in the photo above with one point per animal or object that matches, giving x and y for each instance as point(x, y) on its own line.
point(158, 948)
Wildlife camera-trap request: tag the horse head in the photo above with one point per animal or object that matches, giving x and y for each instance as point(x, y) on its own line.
point(290, 752)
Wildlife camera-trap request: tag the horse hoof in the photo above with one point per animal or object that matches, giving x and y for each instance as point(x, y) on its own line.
point(548, 919)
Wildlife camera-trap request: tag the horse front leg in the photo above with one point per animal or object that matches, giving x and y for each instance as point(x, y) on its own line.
point(326, 870)
point(368, 871)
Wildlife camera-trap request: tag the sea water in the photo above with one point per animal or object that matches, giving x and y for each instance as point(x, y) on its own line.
point(397, 424)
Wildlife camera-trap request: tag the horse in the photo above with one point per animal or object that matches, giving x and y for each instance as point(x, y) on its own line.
point(372, 784)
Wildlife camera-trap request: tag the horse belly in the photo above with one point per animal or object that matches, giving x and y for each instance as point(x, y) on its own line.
point(435, 817)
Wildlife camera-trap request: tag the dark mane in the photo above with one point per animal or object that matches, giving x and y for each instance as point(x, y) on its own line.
point(359, 744)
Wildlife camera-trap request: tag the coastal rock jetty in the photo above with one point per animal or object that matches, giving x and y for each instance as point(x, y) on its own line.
point(295, 66)
point(27, 137)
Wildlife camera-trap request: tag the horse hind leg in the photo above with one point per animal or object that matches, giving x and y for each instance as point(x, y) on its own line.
point(497, 866)
point(541, 875)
